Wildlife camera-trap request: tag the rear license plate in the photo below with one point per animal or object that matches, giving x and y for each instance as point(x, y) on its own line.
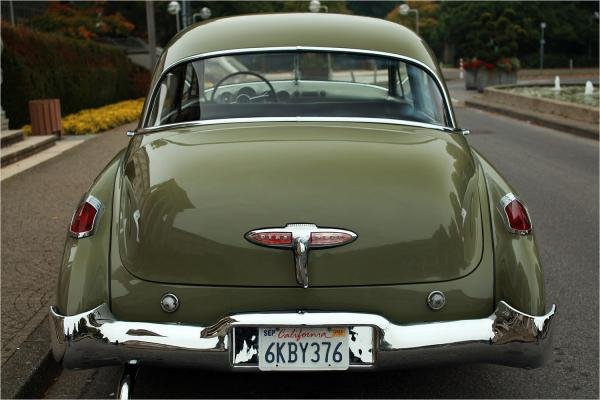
point(303, 349)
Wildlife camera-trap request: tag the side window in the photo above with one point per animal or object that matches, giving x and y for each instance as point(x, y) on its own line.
point(190, 85)
point(166, 99)
point(435, 103)
point(428, 102)
point(404, 90)
point(177, 99)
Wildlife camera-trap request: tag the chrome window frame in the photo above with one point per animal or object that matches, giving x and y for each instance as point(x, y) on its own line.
point(154, 90)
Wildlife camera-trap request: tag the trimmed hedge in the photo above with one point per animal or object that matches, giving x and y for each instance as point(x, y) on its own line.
point(81, 73)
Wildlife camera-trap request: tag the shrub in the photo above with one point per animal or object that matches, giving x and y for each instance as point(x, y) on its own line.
point(99, 119)
point(81, 20)
point(82, 74)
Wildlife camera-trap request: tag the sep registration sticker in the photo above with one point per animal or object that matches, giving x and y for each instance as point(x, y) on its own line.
point(303, 348)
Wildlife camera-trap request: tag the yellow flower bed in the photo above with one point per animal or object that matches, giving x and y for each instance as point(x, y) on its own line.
point(96, 120)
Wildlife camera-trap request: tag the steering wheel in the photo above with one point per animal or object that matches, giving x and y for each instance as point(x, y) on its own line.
point(262, 78)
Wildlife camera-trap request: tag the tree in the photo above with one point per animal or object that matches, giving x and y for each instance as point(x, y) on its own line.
point(376, 9)
point(494, 38)
point(428, 20)
point(228, 8)
point(572, 31)
point(135, 11)
point(82, 20)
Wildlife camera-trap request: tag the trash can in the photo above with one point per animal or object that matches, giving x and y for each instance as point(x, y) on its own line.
point(45, 117)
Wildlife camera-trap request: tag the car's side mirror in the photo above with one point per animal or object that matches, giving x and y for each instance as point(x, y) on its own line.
point(131, 133)
point(463, 132)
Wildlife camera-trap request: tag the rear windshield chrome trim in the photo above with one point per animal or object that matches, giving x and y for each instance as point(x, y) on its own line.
point(291, 119)
point(428, 69)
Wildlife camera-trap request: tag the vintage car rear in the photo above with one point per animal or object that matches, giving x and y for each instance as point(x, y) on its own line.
point(299, 199)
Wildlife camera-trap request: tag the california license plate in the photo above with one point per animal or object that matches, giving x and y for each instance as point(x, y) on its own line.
point(303, 349)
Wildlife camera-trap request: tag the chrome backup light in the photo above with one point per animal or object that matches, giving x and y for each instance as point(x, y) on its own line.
point(301, 238)
point(169, 303)
point(84, 219)
point(436, 300)
point(514, 214)
point(330, 238)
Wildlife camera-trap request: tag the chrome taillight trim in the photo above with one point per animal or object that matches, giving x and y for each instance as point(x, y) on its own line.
point(301, 244)
point(429, 70)
point(506, 200)
point(97, 204)
point(301, 231)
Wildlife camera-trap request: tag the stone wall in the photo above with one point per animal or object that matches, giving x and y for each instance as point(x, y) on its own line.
point(564, 109)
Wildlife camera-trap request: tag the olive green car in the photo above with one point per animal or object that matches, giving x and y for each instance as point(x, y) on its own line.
point(298, 196)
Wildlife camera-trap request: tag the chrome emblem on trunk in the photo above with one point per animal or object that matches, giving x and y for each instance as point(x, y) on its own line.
point(301, 238)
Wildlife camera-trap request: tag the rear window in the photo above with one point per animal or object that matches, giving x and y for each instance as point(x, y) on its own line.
point(297, 84)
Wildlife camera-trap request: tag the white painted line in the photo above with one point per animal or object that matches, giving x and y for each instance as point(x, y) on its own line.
point(66, 143)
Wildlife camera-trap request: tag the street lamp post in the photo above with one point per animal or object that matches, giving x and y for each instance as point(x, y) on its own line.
point(185, 6)
point(315, 6)
point(405, 9)
point(542, 42)
point(174, 8)
point(205, 13)
point(151, 34)
point(12, 13)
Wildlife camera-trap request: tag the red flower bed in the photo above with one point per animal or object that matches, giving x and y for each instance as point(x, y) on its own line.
point(476, 64)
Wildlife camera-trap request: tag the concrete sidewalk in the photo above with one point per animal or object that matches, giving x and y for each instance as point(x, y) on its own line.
point(37, 205)
point(65, 143)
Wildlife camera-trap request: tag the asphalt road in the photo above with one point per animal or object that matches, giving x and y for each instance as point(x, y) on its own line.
point(557, 175)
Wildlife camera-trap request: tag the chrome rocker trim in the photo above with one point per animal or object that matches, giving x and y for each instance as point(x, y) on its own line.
point(96, 338)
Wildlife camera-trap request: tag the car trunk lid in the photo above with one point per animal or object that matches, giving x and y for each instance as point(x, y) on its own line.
point(410, 194)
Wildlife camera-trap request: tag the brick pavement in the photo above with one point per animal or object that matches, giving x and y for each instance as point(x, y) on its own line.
point(37, 205)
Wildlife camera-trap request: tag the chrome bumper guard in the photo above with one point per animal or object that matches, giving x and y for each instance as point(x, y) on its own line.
point(96, 338)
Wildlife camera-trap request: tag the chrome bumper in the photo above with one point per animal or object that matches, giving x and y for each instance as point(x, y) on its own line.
point(96, 338)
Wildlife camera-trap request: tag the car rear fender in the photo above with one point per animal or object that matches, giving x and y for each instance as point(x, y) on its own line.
point(83, 281)
point(518, 273)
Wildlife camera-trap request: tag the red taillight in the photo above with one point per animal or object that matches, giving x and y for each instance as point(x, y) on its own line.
point(271, 238)
point(329, 238)
point(515, 215)
point(83, 221)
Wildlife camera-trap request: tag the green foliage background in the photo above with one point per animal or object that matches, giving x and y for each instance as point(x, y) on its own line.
point(473, 28)
point(135, 11)
point(470, 28)
point(82, 74)
point(486, 29)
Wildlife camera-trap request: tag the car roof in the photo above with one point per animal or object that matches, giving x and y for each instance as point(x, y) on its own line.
point(291, 30)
